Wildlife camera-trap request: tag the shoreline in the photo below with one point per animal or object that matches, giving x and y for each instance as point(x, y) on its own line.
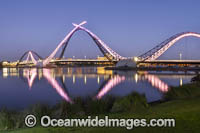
point(153, 68)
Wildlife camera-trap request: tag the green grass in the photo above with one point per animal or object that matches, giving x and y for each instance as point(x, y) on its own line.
point(185, 91)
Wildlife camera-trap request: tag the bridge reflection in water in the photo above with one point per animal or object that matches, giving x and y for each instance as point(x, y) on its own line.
point(106, 79)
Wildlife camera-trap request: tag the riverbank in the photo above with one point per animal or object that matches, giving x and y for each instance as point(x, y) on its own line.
point(153, 68)
point(181, 103)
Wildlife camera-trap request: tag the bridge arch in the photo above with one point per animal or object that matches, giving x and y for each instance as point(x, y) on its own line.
point(157, 51)
point(106, 51)
point(27, 53)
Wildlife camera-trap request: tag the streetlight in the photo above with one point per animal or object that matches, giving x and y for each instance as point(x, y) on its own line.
point(180, 56)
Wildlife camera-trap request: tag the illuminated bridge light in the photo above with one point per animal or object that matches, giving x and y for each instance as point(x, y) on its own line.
point(98, 79)
point(164, 46)
point(55, 85)
point(85, 79)
point(40, 74)
point(157, 83)
point(136, 78)
point(74, 79)
point(63, 78)
point(5, 72)
point(31, 75)
point(111, 83)
point(181, 81)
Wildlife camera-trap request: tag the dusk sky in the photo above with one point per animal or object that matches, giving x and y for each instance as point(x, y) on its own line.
point(130, 27)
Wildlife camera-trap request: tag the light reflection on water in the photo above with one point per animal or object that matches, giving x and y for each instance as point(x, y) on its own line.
point(69, 83)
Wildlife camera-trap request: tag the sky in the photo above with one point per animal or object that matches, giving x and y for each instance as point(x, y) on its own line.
point(129, 27)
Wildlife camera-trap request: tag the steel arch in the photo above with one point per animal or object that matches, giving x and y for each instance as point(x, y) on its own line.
point(157, 51)
point(27, 52)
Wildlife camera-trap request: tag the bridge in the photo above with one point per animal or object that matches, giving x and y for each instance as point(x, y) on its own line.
point(148, 58)
point(73, 62)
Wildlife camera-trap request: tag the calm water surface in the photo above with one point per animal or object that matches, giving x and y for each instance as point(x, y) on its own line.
point(21, 88)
